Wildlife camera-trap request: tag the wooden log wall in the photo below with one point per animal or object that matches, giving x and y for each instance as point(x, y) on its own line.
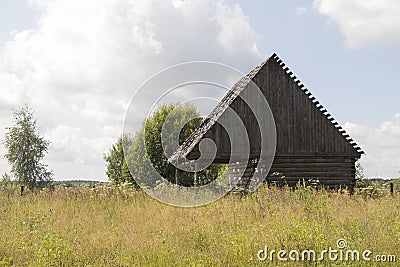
point(331, 172)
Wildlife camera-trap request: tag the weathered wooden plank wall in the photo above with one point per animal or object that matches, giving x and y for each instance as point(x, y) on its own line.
point(331, 172)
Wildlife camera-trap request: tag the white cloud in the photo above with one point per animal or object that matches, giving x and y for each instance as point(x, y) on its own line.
point(80, 65)
point(364, 22)
point(233, 30)
point(381, 145)
point(300, 10)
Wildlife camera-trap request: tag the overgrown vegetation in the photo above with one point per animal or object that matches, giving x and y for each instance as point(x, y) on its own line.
point(146, 149)
point(119, 226)
point(373, 188)
point(117, 171)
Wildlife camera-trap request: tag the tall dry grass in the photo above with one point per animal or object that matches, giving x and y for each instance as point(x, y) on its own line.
point(117, 226)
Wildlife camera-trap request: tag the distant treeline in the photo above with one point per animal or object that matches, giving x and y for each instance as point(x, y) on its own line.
point(73, 183)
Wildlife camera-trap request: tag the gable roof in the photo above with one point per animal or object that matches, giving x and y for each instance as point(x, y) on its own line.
point(228, 99)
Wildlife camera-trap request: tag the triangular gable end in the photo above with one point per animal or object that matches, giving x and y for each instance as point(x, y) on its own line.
point(304, 126)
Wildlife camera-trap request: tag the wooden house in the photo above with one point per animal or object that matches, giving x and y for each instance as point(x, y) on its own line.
point(310, 144)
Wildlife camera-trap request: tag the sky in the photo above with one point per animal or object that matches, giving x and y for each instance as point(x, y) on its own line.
point(78, 64)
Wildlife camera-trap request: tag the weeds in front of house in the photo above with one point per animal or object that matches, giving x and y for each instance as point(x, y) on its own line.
point(121, 226)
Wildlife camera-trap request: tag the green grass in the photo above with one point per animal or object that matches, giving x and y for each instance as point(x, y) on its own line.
point(117, 226)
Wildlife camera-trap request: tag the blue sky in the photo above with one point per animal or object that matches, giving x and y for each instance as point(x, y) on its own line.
point(16, 15)
point(78, 63)
point(346, 80)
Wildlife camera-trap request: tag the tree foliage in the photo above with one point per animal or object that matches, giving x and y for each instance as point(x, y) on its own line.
point(117, 170)
point(146, 145)
point(152, 136)
point(25, 150)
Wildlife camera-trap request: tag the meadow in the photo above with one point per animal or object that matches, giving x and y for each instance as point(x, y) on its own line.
point(119, 226)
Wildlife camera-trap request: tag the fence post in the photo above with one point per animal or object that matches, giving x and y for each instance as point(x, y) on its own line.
point(177, 176)
point(391, 188)
point(196, 176)
point(176, 173)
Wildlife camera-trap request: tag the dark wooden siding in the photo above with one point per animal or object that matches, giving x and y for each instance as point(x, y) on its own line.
point(302, 128)
point(331, 172)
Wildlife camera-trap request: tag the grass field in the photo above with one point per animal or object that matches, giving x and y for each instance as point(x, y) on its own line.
point(118, 226)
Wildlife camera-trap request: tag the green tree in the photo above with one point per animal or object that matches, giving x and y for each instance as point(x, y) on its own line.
point(25, 150)
point(117, 170)
point(152, 136)
point(147, 145)
point(138, 159)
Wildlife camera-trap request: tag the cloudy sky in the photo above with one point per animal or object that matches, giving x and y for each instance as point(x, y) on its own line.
point(78, 63)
